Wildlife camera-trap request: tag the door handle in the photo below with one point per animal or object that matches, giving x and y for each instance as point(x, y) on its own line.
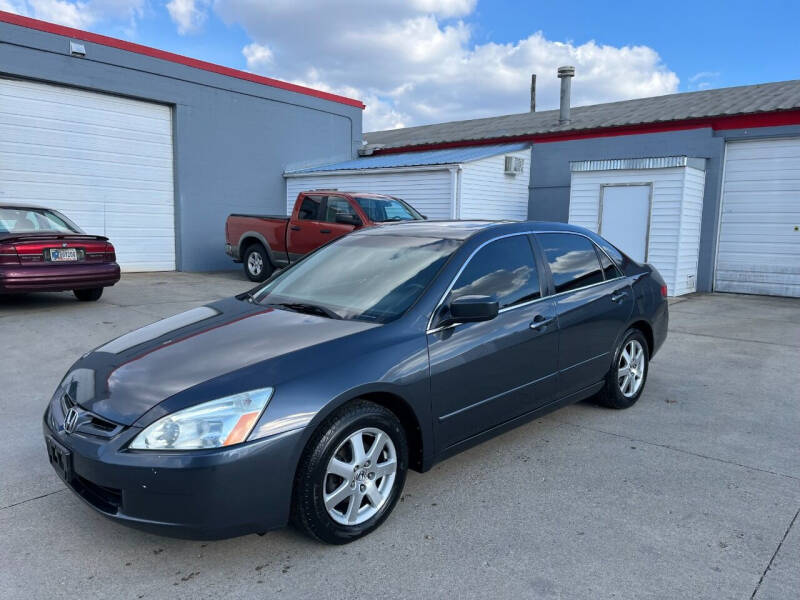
point(324, 230)
point(294, 228)
point(619, 296)
point(540, 322)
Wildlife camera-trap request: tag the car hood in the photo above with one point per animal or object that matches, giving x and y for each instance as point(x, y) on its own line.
point(123, 379)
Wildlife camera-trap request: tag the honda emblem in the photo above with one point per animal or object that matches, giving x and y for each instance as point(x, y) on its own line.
point(71, 420)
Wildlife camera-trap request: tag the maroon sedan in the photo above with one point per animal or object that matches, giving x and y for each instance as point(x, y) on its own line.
point(41, 250)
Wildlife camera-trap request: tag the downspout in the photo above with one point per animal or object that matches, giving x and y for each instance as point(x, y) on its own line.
point(455, 192)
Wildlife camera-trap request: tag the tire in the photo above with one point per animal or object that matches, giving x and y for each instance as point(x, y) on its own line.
point(373, 495)
point(620, 392)
point(88, 295)
point(256, 263)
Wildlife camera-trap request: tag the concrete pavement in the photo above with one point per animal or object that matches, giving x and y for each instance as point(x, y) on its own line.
point(692, 493)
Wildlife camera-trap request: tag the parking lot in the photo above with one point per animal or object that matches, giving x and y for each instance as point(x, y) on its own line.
point(692, 493)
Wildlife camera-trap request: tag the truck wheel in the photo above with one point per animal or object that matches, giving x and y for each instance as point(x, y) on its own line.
point(256, 263)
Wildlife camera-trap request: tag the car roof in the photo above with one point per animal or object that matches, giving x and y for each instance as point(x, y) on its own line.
point(462, 230)
point(21, 205)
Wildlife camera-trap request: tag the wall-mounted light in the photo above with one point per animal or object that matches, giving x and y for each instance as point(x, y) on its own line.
point(77, 49)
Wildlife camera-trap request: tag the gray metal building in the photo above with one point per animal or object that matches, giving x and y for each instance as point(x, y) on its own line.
point(704, 185)
point(151, 148)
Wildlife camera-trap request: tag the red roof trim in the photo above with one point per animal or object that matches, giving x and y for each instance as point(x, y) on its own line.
point(11, 18)
point(748, 121)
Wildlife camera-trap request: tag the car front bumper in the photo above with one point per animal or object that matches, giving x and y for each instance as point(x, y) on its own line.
point(56, 278)
point(204, 494)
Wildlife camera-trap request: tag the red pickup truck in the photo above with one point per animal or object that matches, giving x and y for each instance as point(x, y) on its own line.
point(264, 243)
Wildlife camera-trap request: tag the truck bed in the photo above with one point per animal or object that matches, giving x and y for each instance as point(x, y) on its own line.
point(271, 217)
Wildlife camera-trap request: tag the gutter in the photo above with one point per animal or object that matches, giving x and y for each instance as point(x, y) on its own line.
point(415, 169)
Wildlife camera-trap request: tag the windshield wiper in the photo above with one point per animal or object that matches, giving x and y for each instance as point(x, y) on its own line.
point(311, 309)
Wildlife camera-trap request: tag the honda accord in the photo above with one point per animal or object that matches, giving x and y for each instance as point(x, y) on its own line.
point(309, 397)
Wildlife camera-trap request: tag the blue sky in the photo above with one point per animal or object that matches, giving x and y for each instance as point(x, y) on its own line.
point(422, 61)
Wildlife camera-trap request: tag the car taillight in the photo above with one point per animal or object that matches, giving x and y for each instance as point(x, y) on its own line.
point(663, 291)
point(8, 255)
point(111, 255)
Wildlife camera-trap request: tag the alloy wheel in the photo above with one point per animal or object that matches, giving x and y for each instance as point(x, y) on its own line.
point(360, 476)
point(631, 369)
point(255, 264)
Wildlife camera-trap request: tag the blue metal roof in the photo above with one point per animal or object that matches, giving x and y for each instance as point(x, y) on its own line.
point(450, 156)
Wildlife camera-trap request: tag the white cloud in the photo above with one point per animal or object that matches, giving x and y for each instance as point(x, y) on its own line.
point(188, 15)
point(78, 14)
point(258, 56)
point(703, 80)
point(415, 62)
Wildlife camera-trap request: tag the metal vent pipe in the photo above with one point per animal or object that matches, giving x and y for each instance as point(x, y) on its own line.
point(565, 74)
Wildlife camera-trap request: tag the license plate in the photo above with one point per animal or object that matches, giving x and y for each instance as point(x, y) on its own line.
point(63, 255)
point(60, 457)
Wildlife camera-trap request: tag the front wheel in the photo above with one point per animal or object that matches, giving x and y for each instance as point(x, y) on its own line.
point(351, 474)
point(90, 295)
point(628, 374)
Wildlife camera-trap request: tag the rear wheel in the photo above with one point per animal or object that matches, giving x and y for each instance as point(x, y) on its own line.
point(88, 295)
point(625, 381)
point(351, 474)
point(256, 263)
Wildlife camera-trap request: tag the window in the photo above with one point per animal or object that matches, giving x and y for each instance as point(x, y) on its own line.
point(28, 220)
point(309, 208)
point(610, 270)
point(573, 260)
point(504, 270)
point(366, 277)
point(337, 205)
point(380, 210)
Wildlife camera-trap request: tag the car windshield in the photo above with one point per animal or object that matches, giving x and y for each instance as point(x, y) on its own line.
point(369, 277)
point(382, 210)
point(34, 220)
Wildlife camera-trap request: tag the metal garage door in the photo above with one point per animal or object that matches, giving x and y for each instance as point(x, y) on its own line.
point(106, 162)
point(759, 240)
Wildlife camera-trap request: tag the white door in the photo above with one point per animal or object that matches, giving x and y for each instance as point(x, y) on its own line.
point(625, 218)
point(759, 237)
point(104, 161)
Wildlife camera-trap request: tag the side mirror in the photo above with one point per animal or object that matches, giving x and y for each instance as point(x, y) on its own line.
point(348, 219)
point(424, 217)
point(472, 309)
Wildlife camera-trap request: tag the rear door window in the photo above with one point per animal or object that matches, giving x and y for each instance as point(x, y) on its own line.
point(504, 270)
point(573, 260)
point(610, 270)
point(310, 208)
point(337, 205)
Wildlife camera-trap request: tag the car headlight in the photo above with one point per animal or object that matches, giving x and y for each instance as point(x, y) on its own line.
point(215, 424)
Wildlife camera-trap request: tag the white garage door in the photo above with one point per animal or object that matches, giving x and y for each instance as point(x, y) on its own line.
point(104, 161)
point(759, 240)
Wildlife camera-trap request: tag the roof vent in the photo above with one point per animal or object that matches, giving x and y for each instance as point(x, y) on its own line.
point(76, 48)
point(565, 74)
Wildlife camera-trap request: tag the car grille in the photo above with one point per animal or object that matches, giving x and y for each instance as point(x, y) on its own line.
point(92, 425)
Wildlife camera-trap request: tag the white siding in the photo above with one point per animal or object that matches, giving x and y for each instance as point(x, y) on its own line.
point(689, 240)
point(104, 161)
point(759, 244)
point(488, 193)
point(430, 192)
point(664, 243)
